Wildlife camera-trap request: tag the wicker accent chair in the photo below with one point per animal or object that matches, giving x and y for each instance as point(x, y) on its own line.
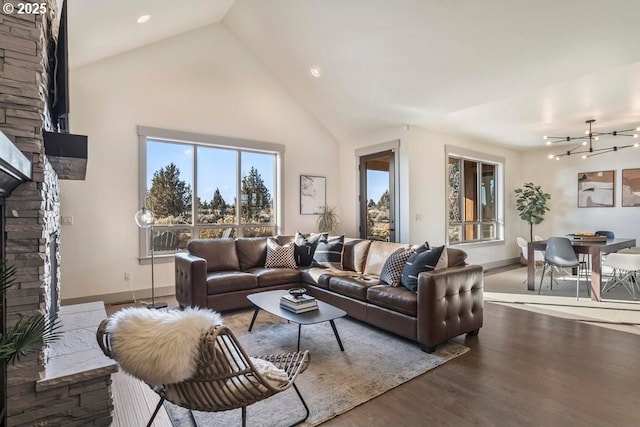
point(225, 379)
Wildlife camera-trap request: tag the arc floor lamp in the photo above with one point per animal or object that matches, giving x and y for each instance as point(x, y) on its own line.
point(144, 219)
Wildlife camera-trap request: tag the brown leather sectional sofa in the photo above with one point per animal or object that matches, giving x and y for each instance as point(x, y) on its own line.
point(220, 273)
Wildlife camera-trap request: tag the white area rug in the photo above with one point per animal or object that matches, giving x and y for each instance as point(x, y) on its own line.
point(617, 310)
point(372, 363)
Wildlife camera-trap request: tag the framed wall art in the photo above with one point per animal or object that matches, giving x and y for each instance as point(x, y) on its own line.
point(313, 196)
point(630, 187)
point(596, 189)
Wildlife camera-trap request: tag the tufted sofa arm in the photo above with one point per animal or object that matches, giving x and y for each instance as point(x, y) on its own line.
point(450, 303)
point(191, 280)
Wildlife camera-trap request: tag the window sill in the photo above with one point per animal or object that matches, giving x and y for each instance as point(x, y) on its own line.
point(157, 259)
point(486, 243)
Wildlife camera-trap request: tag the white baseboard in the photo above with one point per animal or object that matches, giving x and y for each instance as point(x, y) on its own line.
point(501, 263)
point(122, 297)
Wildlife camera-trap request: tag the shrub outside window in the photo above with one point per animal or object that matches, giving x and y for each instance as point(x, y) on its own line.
point(193, 189)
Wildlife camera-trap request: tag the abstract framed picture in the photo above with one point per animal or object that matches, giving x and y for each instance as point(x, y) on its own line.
point(312, 194)
point(630, 187)
point(596, 189)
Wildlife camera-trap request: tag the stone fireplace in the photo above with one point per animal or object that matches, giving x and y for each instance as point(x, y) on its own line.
point(31, 395)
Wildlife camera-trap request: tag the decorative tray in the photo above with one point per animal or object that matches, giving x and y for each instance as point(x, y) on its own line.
point(588, 238)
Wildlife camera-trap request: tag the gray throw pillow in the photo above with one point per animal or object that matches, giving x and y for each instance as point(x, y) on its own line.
point(329, 252)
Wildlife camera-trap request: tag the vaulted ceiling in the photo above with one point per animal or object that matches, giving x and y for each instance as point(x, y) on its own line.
point(504, 71)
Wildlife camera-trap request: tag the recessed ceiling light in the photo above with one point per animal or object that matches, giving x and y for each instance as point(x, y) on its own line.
point(142, 19)
point(315, 71)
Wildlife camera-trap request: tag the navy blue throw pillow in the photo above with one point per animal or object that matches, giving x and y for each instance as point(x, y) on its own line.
point(305, 248)
point(416, 264)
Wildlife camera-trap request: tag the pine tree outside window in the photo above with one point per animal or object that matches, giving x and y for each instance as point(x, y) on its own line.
point(192, 184)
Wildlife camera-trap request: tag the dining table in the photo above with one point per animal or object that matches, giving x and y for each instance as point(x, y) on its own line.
point(593, 249)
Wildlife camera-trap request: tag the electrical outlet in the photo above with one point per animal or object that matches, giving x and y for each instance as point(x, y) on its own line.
point(127, 276)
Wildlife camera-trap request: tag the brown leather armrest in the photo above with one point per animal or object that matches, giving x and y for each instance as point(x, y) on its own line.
point(450, 303)
point(191, 280)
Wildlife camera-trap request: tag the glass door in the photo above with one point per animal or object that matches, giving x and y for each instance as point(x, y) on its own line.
point(377, 196)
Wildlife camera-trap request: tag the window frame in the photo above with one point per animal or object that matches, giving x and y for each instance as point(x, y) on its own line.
point(196, 140)
point(479, 159)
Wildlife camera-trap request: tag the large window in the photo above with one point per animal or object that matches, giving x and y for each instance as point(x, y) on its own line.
point(201, 186)
point(474, 197)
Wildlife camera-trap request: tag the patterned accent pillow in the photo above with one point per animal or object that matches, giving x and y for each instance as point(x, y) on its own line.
point(280, 256)
point(392, 268)
point(329, 252)
point(417, 263)
point(305, 247)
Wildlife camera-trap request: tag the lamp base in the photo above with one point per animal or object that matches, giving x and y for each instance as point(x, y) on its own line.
point(157, 305)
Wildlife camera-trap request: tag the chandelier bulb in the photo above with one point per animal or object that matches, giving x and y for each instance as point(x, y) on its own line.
point(590, 137)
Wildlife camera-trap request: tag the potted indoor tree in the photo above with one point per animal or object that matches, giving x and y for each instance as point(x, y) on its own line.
point(531, 203)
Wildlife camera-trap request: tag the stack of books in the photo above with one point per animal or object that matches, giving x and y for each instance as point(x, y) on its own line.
point(299, 304)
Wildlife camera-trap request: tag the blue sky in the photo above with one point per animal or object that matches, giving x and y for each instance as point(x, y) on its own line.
point(377, 183)
point(216, 167)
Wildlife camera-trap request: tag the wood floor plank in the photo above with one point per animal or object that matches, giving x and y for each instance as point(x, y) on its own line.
point(524, 369)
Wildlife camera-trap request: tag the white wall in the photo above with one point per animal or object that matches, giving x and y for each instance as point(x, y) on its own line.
point(204, 81)
point(560, 179)
point(423, 189)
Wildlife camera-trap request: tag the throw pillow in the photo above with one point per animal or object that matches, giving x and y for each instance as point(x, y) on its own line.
point(280, 256)
point(417, 263)
point(271, 372)
point(393, 266)
point(329, 252)
point(305, 247)
point(423, 247)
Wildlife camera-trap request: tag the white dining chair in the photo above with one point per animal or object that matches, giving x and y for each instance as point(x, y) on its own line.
point(538, 256)
point(625, 272)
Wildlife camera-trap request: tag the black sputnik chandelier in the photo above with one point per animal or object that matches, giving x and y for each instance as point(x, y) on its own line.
point(585, 146)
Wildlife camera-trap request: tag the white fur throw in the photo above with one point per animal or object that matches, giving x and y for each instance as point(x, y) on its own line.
point(159, 346)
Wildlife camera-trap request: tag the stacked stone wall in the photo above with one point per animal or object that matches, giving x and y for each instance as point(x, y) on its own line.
point(32, 223)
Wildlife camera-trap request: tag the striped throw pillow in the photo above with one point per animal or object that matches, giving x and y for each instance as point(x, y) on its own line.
point(329, 252)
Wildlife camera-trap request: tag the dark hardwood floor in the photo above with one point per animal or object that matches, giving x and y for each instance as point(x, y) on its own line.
point(524, 369)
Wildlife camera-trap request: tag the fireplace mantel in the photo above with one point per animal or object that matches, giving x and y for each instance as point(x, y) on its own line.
point(15, 168)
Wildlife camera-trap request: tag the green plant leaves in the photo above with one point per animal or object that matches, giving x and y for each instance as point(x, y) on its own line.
point(328, 220)
point(29, 333)
point(531, 203)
